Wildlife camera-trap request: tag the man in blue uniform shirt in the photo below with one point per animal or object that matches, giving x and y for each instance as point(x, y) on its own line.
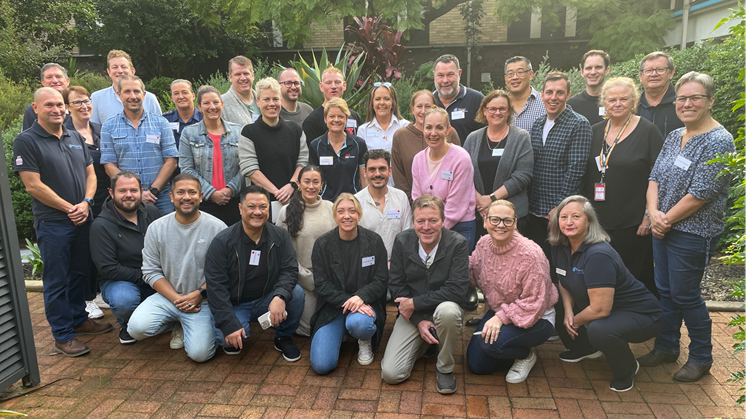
point(185, 113)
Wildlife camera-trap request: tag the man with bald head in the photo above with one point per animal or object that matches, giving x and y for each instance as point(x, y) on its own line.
point(52, 75)
point(57, 171)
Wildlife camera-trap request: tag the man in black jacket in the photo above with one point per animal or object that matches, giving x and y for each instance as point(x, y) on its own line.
point(117, 239)
point(250, 270)
point(428, 278)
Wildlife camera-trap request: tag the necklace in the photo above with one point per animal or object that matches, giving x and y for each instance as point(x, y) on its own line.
point(497, 143)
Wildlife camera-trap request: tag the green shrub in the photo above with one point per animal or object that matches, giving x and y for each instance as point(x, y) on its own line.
point(91, 81)
point(218, 80)
point(14, 98)
point(21, 199)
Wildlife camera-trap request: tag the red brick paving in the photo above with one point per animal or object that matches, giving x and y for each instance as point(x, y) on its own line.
point(149, 380)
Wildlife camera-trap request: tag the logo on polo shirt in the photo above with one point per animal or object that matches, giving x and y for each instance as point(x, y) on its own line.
point(577, 271)
point(75, 146)
point(19, 161)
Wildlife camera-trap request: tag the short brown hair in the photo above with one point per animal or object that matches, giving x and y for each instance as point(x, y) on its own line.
point(118, 53)
point(429, 201)
point(130, 77)
point(487, 99)
point(600, 53)
point(77, 89)
point(556, 75)
point(239, 60)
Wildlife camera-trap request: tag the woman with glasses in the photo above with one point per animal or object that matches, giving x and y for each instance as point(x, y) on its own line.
point(272, 151)
point(409, 141)
point(513, 274)
point(623, 151)
point(686, 201)
point(383, 118)
point(209, 151)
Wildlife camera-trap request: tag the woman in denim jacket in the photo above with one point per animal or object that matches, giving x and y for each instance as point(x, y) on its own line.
point(215, 167)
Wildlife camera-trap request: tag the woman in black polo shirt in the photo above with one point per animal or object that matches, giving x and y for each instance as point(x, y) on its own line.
point(605, 306)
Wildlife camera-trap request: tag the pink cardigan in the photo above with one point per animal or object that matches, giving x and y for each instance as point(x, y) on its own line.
point(514, 279)
point(457, 194)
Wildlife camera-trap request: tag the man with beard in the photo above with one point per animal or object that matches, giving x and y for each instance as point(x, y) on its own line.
point(594, 67)
point(386, 209)
point(461, 102)
point(117, 239)
point(173, 263)
point(140, 142)
point(292, 109)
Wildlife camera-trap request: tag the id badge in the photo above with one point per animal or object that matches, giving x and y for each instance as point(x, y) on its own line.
point(255, 257)
point(599, 192)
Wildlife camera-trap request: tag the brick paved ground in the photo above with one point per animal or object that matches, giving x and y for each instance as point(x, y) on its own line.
point(149, 380)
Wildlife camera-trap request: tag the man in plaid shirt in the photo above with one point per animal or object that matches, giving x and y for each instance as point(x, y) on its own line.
point(140, 142)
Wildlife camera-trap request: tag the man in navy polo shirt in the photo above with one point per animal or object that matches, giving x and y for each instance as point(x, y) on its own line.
point(461, 102)
point(57, 171)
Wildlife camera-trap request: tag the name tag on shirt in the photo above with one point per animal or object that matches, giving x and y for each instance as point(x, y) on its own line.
point(153, 139)
point(446, 174)
point(174, 126)
point(561, 272)
point(497, 152)
point(682, 163)
point(457, 114)
point(326, 160)
point(351, 123)
point(369, 261)
point(598, 164)
point(393, 214)
point(601, 111)
point(254, 258)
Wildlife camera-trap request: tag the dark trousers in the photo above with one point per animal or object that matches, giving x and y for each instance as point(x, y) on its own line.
point(612, 335)
point(66, 254)
point(536, 230)
point(228, 213)
point(637, 254)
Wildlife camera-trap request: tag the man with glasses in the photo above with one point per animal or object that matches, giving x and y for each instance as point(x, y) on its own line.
point(332, 85)
point(461, 102)
point(251, 269)
point(52, 75)
point(657, 99)
point(526, 101)
point(593, 68)
point(291, 90)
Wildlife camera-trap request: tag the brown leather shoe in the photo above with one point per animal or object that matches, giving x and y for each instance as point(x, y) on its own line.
point(93, 328)
point(691, 372)
point(656, 357)
point(72, 348)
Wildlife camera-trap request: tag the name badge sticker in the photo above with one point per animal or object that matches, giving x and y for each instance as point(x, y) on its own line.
point(326, 160)
point(369, 261)
point(174, 126)
point(497, 152)
point(561, 272)
point(598, 164)
point(254, 258)
point(601, 111)
point(393, 214)
point(458, 114)
point(351, 123)
point(682, 163)
point(446, 174)
point(153, 139)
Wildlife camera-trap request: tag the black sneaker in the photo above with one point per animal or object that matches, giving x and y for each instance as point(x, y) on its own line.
point(431, 351)
point(231, 350)
point(626, 384)
point(124, 337)
point(577, 356)
point(290, 352)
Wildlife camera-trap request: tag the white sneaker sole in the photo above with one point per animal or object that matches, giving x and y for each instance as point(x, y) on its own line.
point(594, 355)
point(365, 361)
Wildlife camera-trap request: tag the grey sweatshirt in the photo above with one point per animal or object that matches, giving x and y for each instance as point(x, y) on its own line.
point(177, 252)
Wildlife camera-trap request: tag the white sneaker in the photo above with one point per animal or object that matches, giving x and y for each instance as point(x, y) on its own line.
point(365, 352)
point(177, 337)
point(100, 301)
point(521, 368)
point(93, 311)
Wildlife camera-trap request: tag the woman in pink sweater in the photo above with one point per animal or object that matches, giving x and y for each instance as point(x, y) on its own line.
point(513, 274)
point(445, 171)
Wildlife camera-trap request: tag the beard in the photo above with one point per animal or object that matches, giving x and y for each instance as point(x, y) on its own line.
point(120, 206)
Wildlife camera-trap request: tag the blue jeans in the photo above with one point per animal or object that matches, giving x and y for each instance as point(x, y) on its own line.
point(163, 203)
point(157, 315)
point(468, 229)
point(67, 264)
point(680, 261)
point(123, 297)
point(513, 342)
point(328, 339)
point(250, 311)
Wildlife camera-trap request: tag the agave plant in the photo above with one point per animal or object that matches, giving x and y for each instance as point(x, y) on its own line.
point(310, 74)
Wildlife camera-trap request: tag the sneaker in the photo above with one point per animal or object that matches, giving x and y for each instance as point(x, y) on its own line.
point(365, 352)
point(554, 336)
point(93, 311)
point(72, 348)
point(620, 386)
point(290, 352)
point(92, 328)
point(521, 368)
point(124, 337)
point(100, 301)
point(177, 337)
point(577, 356)
point(231, 350)
point(445, 382)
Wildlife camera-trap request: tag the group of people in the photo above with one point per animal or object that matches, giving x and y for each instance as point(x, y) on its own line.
point(515, 193)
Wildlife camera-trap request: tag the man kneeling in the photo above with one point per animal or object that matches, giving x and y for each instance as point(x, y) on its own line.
point(173, 262)
point(251, 269)
point(428, 278)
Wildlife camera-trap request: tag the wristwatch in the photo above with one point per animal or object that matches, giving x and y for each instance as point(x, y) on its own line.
point(154, 191)
point(90, 202)
point(492, 197)
point(294, 185)
point(203, 293)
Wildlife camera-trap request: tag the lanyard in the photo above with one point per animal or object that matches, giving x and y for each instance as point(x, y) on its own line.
point(603, 159)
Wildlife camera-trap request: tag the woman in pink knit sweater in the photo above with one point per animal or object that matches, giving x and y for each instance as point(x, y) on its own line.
point(513, 274)
point(445, 171)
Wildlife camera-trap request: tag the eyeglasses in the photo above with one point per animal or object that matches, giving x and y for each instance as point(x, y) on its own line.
point(649, 71)
point(501, 109)
point(695, 99)
point(379, 84)
point(519, 73)
point(507, 221)
point(290, 84)
point(80, 103)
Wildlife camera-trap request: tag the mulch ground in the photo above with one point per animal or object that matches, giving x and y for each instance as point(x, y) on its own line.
point(149, 380)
